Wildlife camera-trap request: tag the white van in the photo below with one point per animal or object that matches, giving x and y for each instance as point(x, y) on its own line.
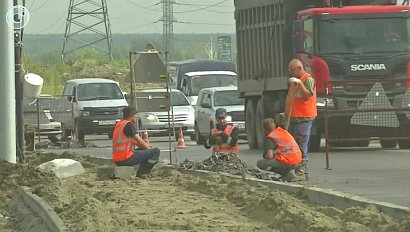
point(96, 106)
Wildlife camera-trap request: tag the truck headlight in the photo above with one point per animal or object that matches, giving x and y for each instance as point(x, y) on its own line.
point(151, 117)
point(85, 113)
point(228, 118)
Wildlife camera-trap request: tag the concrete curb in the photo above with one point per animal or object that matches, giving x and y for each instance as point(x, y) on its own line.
point(316, 195)
point(50, 218)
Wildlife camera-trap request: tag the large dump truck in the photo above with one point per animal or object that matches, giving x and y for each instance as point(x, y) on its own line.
point(336, 40)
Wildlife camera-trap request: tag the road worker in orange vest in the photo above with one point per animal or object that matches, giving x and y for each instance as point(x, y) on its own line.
point(125, 138)
point(303, 110)
point(282, 154)
point(224, 137)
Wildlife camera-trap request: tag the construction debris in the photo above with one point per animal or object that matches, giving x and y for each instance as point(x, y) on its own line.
point(228, 164)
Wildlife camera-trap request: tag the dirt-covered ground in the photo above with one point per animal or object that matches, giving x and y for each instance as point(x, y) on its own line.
point(171, 201)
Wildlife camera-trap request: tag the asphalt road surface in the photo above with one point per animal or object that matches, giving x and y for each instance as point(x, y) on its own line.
point(373, 173)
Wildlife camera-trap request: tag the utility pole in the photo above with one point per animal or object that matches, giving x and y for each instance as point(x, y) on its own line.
point(87, 16)
point(19, 21)
point(7, 91)
point(168, 26)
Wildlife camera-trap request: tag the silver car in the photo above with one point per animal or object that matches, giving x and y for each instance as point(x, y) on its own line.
point(157, 122)
point(210, 99)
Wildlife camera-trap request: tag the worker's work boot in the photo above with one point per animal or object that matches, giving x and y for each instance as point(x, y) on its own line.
point(145, 169)
point(288, 177)
point(302, 169)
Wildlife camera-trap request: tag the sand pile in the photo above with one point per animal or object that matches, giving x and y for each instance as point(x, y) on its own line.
point(171, 201)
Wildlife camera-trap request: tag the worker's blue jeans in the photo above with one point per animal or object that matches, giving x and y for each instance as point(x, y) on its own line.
point(141, 156)
point(301, 133)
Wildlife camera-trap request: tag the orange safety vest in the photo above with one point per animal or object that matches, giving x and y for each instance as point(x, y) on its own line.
point(304, 108)
point(122, 146)
point(224, 146)
point(288, 151)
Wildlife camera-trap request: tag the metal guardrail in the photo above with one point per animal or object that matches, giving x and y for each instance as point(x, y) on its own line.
point(358, 111)
point(45, 119)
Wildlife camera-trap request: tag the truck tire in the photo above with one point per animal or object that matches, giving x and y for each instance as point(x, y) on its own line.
point(403, 144)
point(260, 134)
point(388, 144)
point(314, 143)
point(250, 124)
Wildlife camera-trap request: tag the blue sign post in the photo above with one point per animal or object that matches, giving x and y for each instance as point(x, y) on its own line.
point(224, 48)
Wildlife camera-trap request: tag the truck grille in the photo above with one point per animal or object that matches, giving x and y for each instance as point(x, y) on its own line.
point(237, 116)
point(177, 118)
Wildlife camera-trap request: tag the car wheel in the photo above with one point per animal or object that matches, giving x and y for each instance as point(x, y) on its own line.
point(110, 134)
point(198, 138)
point(79, 134)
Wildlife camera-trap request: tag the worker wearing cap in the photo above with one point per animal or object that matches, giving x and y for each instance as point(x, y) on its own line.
point(303, 110)
point(125, 137)
point(282, 154)
point(224, 137)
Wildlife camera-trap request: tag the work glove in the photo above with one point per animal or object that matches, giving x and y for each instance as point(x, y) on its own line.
point(224, 137)
point(294, 80)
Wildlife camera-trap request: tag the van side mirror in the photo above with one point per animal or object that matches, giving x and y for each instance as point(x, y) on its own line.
point(126, 96)
point(71, 98)
point(205, 105)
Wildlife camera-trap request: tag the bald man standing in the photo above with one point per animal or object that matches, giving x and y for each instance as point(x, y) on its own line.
point(303, 110)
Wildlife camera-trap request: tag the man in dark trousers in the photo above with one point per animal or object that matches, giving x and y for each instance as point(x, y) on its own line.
point(224, 137)
point(282, 154)
point(124, 139)
point(303, 110)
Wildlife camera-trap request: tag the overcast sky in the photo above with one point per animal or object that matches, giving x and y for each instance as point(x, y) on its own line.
point(138, 16)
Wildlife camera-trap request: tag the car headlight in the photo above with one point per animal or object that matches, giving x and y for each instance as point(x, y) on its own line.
point(151, 117)
point(228, 118)
point(85, 113)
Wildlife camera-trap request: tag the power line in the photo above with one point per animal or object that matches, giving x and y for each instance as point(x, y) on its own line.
point(190, 4)
point(201, 8)
point(39, 6)
point(211, 24)
point(143, 7)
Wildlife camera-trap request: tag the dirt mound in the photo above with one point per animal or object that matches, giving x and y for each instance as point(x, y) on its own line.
point(171, 201)
point(227, 164)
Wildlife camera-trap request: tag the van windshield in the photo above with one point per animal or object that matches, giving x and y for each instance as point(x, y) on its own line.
point(98, 91)
point(228, 98)
point(208, 81)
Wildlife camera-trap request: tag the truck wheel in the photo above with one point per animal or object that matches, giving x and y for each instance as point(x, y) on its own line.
point(250, 125)
point(388, 144)
point(404, 144)
point(314, 143)
point(192, 137)
point(260, 135)
point(198, 138)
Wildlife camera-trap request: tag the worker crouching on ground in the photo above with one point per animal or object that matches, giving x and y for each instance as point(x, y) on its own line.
point(125, 138)
point(303, 110)
point(282, 154)
point(224, 138)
